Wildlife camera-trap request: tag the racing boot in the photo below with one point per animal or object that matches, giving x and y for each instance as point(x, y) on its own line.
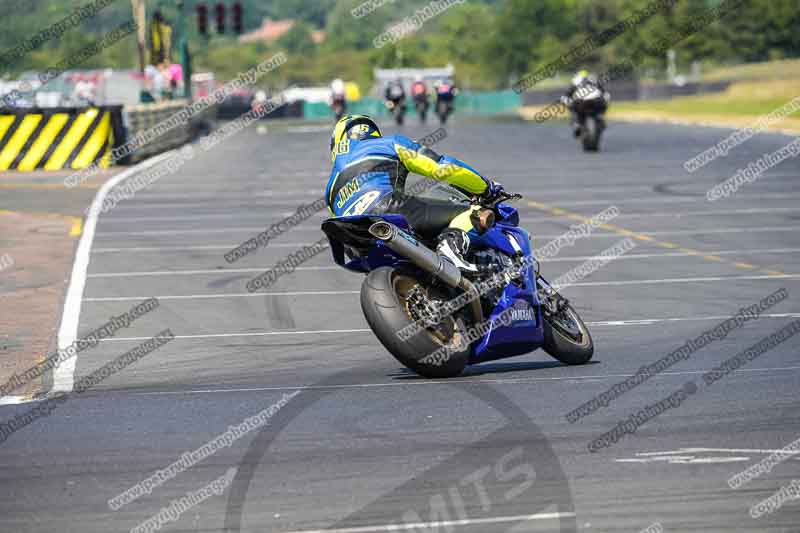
point(452, 245)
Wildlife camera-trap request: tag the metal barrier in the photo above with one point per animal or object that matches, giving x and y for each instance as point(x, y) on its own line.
point(81, 137)
point(142, 117)
point(58, 138)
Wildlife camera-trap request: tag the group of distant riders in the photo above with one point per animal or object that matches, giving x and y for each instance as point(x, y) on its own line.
point(586, 99)
point(394, 94)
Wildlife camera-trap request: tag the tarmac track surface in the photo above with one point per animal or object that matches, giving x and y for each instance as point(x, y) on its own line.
point(366, 446)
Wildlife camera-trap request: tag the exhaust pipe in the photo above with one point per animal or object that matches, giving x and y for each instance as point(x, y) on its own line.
point(407, 246)
point(404, 244)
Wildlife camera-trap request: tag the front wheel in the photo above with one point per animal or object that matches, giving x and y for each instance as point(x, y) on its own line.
point(566, 337)
point(392, 300)
point(443, 110)
point(591, 134)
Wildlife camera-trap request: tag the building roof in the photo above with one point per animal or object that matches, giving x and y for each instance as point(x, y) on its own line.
point(272, 30)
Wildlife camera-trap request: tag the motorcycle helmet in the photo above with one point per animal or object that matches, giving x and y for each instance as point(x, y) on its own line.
point(353, 127)
point(580, 77)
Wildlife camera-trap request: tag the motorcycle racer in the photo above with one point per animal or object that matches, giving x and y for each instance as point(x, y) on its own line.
point(369, 174)
point(584, 87)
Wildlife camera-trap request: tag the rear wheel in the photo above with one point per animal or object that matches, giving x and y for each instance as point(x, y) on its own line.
point(392, 300)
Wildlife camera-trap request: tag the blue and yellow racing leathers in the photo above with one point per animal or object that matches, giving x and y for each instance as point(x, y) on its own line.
point(369, 176)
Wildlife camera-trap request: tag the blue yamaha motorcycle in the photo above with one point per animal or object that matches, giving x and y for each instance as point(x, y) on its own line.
point(436, 319)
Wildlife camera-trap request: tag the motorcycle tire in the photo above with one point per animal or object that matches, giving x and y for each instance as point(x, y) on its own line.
point(384, 304)
point(590, 135)
point(562, 346)
point(442, 110)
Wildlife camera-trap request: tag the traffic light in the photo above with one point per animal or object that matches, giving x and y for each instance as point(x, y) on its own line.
point(220, 12)
point(202, 19)
point(238, 26)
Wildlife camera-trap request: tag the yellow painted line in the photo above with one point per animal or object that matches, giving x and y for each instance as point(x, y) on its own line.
point(77, 227)
point(18, 140)
point(74, 231)
point(642, 237)
point(43, 142)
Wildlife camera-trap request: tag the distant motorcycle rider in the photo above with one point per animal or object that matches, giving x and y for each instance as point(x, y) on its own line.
point(338, 98)
point(394, 92)
point(445, 97)
point(369, 174)
point(419, 93)
point(419, 90)
point(585, 89)
point(396, 100)
point(446, 91)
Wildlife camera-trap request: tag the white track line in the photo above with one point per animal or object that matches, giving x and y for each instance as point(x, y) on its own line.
point(700, 199)
point(677, 280)
point(465, 379)
point(335, 267)
point(260, 216)
point(601, 323)
point(214, 201)
point(256, 229)
point(338, 293)
point(114, 234)
point(13, 400)
point(718, 450)
point(611, 235)
point(202, 272)
point(222, 295)
point(442, 523)
point(63, 374)
point(435, 382)
point(214, 247)
point(246, 203)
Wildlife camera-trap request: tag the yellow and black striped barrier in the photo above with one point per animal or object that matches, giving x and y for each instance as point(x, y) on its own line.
point(58, 138)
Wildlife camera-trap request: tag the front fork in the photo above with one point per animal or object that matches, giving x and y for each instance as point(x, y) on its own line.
point(552, 301)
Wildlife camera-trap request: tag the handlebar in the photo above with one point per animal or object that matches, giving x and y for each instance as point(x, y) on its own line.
point(503, 196)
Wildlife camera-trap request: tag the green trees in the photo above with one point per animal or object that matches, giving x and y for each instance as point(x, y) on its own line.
point(492, 43)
